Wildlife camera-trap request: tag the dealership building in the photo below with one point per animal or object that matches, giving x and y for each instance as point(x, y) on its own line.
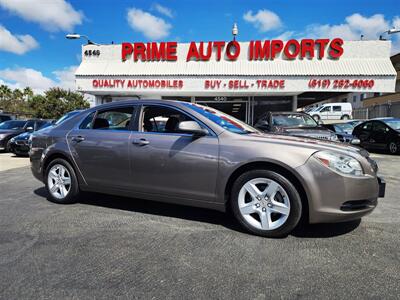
point(244, 79)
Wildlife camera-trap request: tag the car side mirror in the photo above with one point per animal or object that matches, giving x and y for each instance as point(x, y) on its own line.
point(192, 127)
point(355, 142)
point(29, 129)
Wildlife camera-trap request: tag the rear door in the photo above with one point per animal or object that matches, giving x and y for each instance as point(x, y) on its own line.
point(336, 112)
point(170, 163)
point(100, 147)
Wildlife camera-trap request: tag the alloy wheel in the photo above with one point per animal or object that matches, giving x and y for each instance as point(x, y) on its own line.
point(264, 203)
point(393, 147)
point(59, 181)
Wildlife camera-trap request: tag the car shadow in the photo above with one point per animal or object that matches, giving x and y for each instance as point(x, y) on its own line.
point(200, 214)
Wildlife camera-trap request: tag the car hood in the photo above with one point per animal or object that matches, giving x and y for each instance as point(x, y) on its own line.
point(10, 131)
point(305, 142)
point(23, 136)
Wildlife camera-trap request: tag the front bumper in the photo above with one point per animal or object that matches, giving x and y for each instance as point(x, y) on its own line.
point(336, 198)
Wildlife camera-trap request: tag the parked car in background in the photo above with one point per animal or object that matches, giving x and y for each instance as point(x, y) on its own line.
point(19, 145)
point(4, 117)
point(205, 158)
point(379, 134)
point(294, 123)
point(354, 123)
point(12, 128)
point(332, 111)
point(344, 132)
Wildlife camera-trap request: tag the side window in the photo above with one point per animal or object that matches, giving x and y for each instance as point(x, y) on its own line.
point(87, 122)
point(110, 119)
point(162, 119)
point(337, 108)
point(326, 109)
point(379, 127)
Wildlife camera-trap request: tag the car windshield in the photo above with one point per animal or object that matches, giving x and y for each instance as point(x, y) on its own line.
point(66, 116)
point(344, 127)
point(293, 120)
point(12, 125)
point(226, 121)
point(394, 123)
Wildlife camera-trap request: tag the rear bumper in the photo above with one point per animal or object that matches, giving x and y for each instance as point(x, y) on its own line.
point(336, 198)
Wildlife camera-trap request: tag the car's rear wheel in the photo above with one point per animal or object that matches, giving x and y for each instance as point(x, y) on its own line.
point(393, 148)
point(345, 117)
point(61, 182)
point(266, 203)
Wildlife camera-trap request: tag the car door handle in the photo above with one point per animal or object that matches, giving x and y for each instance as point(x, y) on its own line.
point(140, 142)
point(77, 139)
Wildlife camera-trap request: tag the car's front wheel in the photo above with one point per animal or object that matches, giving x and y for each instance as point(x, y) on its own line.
point(393, 148)
point(61, 182)
point(266, 203)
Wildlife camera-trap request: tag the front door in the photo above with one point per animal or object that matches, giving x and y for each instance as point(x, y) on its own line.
point(379, 135)
point(170, 163)
point(100, 147)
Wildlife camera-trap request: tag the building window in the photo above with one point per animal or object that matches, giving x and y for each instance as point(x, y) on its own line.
point(354, 98)
point(361, 97)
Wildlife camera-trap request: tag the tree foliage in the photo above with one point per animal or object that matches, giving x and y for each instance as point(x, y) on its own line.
point(54, 103)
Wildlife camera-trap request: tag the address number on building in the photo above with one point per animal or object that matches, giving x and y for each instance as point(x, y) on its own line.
point(92, 52)
point(341, 83)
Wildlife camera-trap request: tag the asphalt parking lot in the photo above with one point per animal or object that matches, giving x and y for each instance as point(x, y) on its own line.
point(109, 247)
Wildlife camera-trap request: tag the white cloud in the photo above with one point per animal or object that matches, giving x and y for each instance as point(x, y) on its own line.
point(163, 10)
point(150, 26)
point(18, 44)
point(23, 77)
point(285, 36)
point(354, 26)
point(52, 15)
point(264, 20)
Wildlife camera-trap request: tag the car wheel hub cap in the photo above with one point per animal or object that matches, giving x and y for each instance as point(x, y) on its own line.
point(59, 181)
point(264, 203)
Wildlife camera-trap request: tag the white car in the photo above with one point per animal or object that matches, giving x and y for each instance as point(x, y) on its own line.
point(332, 111)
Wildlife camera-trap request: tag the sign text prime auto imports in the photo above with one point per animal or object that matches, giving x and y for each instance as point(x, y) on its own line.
point(257, 50)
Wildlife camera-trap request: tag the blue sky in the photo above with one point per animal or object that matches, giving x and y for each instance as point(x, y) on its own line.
point(34, 51)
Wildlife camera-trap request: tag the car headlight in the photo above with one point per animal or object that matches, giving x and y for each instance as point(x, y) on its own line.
point(12, 140)
point(2, 136)
point(340, 163)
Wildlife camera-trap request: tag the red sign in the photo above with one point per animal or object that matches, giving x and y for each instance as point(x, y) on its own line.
point(257, 50)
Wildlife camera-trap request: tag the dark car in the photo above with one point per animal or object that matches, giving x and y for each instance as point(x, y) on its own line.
point(379, 134)
point(10, 129)
point(4, 118)
point(294, 123)
point(344, 132)
point(190, 154)
point(19, 144)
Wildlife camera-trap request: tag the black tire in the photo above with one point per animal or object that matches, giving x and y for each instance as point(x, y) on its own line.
point(345, 117)
point(74, 192)
point(8, 147)
point(294, 199)
point(393, 148)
